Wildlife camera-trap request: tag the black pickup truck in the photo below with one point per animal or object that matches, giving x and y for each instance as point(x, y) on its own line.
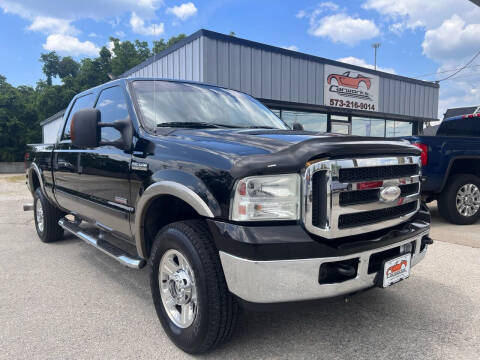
point(224, 203)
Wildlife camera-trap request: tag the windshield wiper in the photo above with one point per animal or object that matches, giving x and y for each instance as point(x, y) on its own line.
point(260, 127)
point(194, 124)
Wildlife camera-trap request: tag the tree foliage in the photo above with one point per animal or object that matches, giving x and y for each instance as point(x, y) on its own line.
point(22, 108)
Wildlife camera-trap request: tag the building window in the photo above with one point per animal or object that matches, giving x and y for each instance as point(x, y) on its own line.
point(398, 128)
point(276, 112)
point(362, 126)
point(309, 120)
point(339, 118)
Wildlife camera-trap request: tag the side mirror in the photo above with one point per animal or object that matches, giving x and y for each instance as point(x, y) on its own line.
point(125, 127)
point(297, 126)
point(84, 130)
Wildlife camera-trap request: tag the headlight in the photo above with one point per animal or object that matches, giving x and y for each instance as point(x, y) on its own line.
point(261, 198)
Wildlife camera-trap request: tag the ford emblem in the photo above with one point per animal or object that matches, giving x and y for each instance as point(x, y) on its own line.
point(390, 193)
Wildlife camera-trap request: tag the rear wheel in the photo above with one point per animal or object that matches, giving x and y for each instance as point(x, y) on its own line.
point(46, 218)
point(188, 287)
point(459, 202)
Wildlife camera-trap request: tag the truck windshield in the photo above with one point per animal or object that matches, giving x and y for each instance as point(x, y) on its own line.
point(166, 103)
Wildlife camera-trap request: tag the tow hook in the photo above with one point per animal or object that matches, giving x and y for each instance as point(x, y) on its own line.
point(427, 240)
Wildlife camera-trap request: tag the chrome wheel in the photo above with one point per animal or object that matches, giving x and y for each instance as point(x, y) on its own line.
point(39, 216)
point(468, 200)
point(177, 288)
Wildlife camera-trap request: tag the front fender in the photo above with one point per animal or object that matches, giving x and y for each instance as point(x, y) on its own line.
point(178, 184)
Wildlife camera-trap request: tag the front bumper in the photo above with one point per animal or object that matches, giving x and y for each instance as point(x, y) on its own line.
point(295, 280)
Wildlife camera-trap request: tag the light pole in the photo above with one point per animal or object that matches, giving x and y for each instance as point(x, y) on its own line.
point(376, 46)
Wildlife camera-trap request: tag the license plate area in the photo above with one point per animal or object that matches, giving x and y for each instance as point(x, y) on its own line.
point(396, 269)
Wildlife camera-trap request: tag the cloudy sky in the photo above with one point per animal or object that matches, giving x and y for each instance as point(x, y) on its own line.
point(426, 39)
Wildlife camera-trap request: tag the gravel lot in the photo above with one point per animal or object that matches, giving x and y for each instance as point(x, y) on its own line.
point(68, 300)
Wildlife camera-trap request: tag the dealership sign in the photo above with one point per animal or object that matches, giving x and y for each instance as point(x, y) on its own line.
point(349, 89)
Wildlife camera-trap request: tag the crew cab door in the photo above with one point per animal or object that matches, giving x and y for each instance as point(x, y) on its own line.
point(104, 180)
point(67, 157)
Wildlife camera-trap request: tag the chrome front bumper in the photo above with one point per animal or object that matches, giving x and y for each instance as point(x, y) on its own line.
point(295, 280)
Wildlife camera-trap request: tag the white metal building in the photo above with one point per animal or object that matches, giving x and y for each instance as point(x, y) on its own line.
point(321, 94)
point(51, 126)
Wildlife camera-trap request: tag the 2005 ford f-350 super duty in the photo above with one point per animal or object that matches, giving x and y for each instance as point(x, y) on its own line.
point(224, 203)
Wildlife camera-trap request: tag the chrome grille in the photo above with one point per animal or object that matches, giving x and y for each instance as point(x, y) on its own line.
point(376, 172)
point(371, 217)
point(342, 197)
point(372, 195)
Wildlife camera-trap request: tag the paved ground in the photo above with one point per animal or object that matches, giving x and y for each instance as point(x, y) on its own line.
point(69, 301)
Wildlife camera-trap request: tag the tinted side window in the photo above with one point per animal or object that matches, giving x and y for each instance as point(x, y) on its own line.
point(83, 102)
point(113, 106)
point(463, 127)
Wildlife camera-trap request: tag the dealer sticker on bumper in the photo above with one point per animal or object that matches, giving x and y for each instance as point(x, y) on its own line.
point(396, 269)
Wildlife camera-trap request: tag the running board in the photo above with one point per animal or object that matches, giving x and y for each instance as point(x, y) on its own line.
point(102, 245)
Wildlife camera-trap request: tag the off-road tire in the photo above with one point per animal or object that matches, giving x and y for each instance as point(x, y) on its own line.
point(217, 310)
point(447, 200)
point(51, 230)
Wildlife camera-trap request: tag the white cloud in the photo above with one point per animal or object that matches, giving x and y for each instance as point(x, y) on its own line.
point(360, 62)
point(100, 9)
point(423, 13)
point(183, 11)
point(139, 27)
point(50, 25)
point(69, 45)
point(110, 45)
point(397, 28)
point(301, 14)
point(463, 91)
point(452, 41)
point(93, 35)
point(451, 36)
point(120, 33)
point(345, 29)
point(291, 47)
point(328, 5)
point(55, 18)
point(324, 6)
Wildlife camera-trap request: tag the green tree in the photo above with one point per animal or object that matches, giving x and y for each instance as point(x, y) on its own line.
point(50, 65)
point(67, 67)
point(125, 56)
point(160, 45)
point(23, 107)
point(18, 120)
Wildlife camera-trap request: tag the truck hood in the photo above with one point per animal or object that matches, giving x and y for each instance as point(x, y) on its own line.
point(264, 151)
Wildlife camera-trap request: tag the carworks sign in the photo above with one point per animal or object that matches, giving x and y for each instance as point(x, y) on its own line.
point(350, 89)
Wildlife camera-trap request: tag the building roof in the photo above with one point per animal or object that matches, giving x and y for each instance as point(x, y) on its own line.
point(53, 117)
point(236, 40)
point(460, 111)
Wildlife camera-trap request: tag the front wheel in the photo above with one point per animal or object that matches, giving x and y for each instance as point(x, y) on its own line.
point(46, 218)
point(188, 287)
point(459, 202)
